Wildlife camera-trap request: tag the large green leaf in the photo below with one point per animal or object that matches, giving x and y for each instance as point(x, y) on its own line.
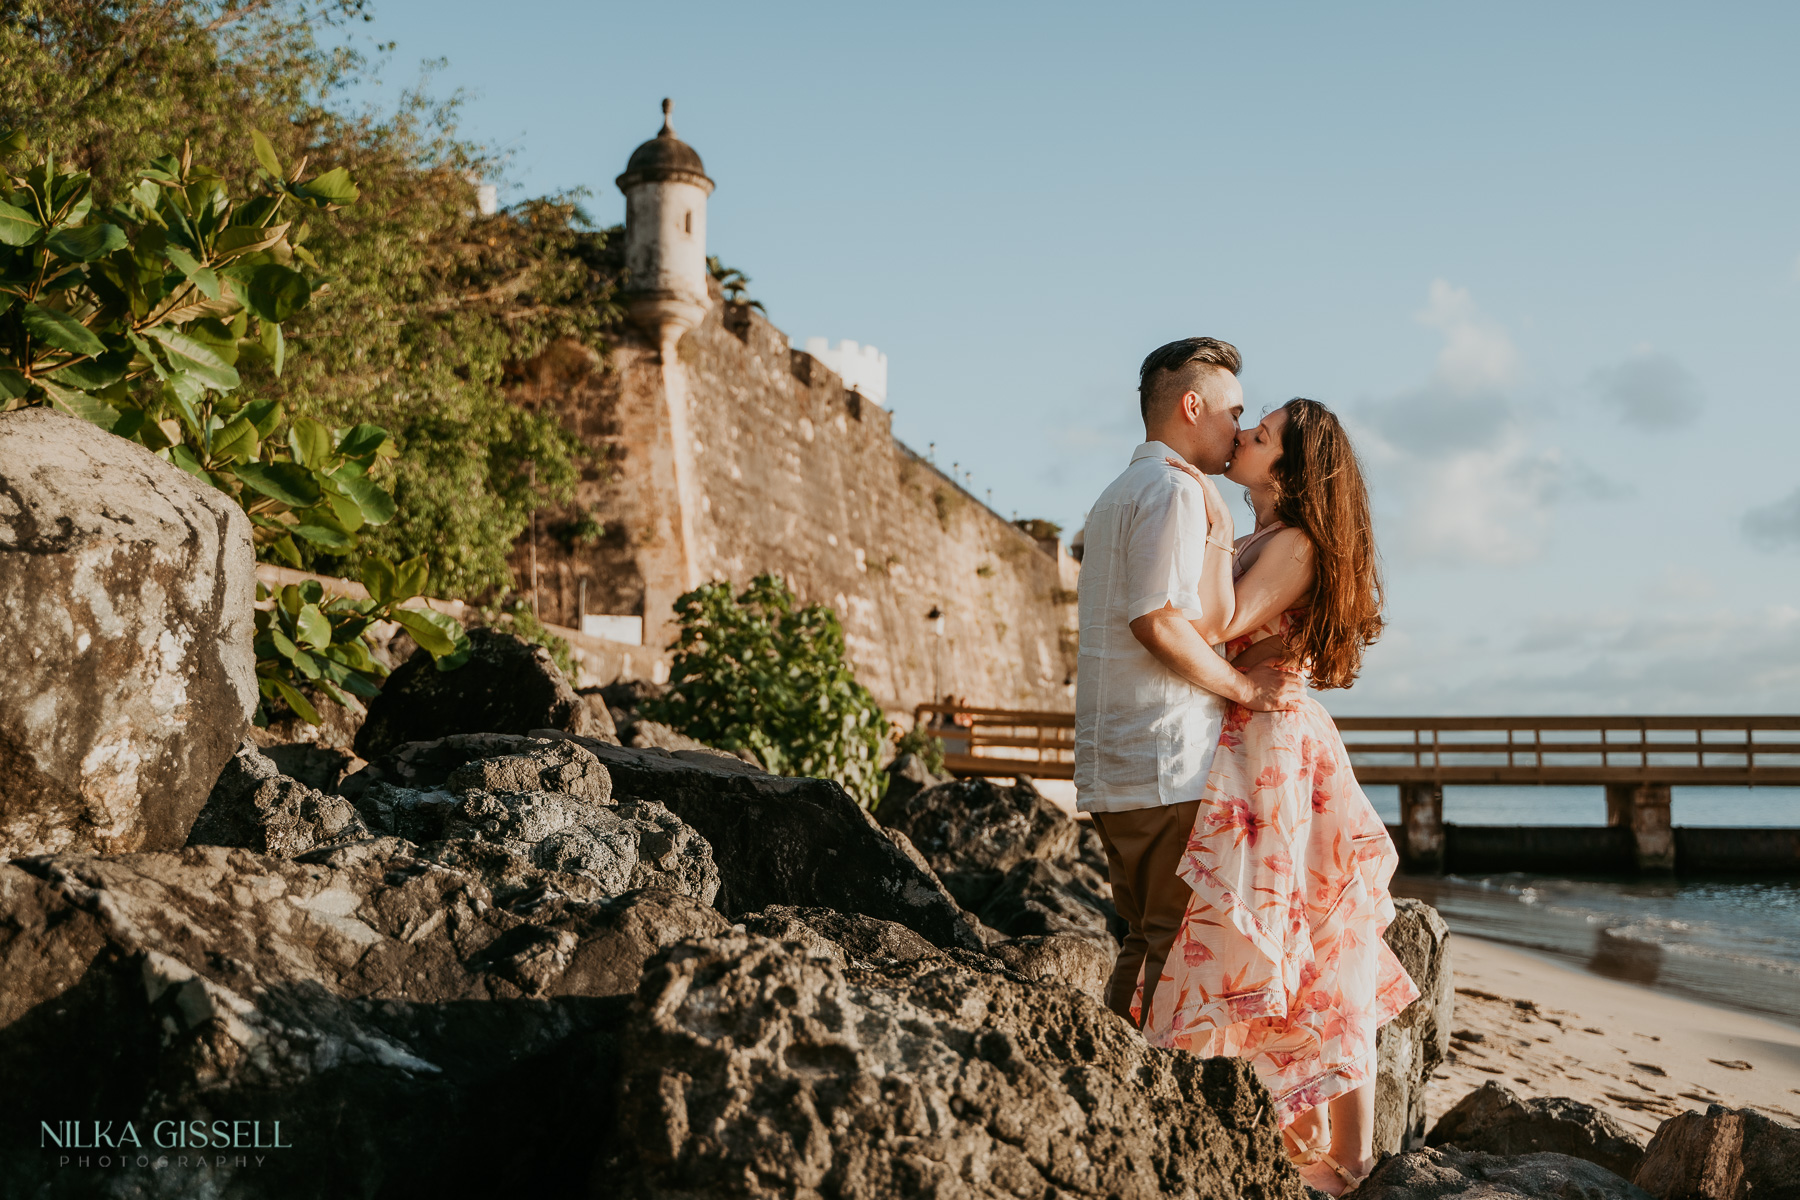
point(92, 374)
point(333, 187)
point(310, 442)
point(289, 483)
point(61, 331)
point(346, 511)
point(379, 576)
point(313, 628)
point(362, 440)
point(236, 441)
point(435, 632)
point(274, 344)
point(12, 384)
point(17, 227)
point(201, 277)
point(196, 358)
point(376, 505)
point(277, 292)
point(265, 153)
point(302, 709)
point(410, 577)
point(324, 535)
point(86, 243)
point(264, 414)
point(80, 404)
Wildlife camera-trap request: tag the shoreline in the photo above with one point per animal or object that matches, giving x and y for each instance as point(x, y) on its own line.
point(1543, 1027)
point(1656, 935)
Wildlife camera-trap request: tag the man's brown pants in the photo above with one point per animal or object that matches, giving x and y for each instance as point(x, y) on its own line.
point(1143, 848)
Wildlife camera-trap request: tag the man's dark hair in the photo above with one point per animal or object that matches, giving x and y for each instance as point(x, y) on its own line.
point(1176, 355)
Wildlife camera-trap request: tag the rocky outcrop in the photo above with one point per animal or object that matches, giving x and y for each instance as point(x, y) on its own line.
point(255, 806)
point(508, 685)
point(1081, 961)
point(907, 777)
point(1722, 1154)
point(549, 802)
point(1037, 897)
point(1411, 1046)
point(760, 1069)
point(1451, 1174)
point(783, 841)
point(126, 672)
point(1495, 1121)
point(401, 1017)
point(317, 766)
point(775, 841)
point(973, 831)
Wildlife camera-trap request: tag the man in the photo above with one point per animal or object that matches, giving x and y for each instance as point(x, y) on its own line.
point(1151, 694)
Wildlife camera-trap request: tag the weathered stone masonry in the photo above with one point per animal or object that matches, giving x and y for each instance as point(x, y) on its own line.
point(723, 453)
point(797, 475)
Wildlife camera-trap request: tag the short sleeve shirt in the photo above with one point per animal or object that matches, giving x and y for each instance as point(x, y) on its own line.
point(1144, 736)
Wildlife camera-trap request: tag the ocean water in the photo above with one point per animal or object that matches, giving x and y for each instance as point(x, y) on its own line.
point(1729, 942)
point(1734, 942)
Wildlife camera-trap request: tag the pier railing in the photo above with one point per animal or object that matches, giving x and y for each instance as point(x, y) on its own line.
point(1722, 751)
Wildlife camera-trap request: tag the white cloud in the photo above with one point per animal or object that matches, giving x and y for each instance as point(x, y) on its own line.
point(1650, 390)
point(1454, 463)
point(1603, 660)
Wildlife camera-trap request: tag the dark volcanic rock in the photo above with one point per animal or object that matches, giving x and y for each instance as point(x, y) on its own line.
point(401, 1019)
point(548, 801)
point(1411, 1046)
point(1081, 961)
point(907, 777)
point(853, 939)
point(1493, 1120)
point(1036, 898)
point(255, 806)
point(126, 671)
point(1722, 1154)
point(975, 825)
point(779, 840)
point(507, 686)
point(321, 767)
point(1451, 1174)
point(760, 1070)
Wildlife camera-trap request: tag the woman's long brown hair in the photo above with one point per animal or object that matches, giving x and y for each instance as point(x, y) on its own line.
point(1319, 488)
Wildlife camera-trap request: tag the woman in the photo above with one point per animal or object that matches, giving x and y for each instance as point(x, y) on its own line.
point(1280, 958)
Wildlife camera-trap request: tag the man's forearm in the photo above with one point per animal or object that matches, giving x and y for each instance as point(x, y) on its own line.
point(1178, 646)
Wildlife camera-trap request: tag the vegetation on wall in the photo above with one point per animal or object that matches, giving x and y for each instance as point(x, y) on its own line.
point(755, 672)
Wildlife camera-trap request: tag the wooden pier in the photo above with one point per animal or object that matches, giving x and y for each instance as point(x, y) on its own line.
point(1636, 759)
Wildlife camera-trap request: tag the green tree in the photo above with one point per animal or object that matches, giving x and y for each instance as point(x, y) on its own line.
point(754, 672)
point(137, 318)
point(432, 306)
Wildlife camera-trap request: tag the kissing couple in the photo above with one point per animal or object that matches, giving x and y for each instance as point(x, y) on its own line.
point(1248, 864)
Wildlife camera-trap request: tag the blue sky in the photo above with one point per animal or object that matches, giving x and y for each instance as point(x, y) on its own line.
point(1545, 259)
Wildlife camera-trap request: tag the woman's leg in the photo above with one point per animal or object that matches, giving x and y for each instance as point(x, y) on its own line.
point(1353, 1129)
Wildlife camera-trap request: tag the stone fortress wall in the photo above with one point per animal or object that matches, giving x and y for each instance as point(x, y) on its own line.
point(722, 453)
point(794, 473)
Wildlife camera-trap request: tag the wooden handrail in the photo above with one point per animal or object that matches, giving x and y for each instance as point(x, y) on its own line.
point(998, 741)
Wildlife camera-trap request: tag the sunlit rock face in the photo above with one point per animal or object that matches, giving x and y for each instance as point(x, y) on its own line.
point(126, 669)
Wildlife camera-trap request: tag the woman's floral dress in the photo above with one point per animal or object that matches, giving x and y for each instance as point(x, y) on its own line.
point(1280, 957)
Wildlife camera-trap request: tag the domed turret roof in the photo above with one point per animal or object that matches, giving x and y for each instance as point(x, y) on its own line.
point(664, 156)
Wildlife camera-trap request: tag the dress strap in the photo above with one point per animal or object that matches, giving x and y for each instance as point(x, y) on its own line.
point(1261, 535)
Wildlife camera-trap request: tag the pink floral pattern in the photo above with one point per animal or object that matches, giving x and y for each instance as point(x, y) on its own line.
point(1280, 957)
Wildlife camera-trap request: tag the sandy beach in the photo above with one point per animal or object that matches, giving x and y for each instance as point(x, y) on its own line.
point(1546, 1029)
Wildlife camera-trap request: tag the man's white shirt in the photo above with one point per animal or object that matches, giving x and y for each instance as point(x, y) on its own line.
point(1144, 736)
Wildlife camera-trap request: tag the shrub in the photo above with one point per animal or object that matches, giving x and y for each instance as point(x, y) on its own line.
point(756, 673)
point(925, 744)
